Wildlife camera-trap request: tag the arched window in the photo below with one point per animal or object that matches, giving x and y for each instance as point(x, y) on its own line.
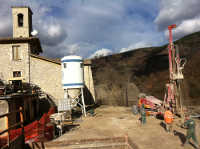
point(20, 20)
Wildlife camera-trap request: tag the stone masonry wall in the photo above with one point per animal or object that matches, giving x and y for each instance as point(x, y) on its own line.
point(23, 31)
point(89, 80)
point(8, 65)
point(47, 75)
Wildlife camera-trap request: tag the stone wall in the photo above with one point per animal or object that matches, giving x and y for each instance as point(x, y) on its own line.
point(23, 31)
point(8, 65)
point(89, 83)
point(47, 75)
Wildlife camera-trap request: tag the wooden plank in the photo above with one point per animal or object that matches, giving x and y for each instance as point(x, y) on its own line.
point(7, 114)
point(17, 124)
point(67, 123)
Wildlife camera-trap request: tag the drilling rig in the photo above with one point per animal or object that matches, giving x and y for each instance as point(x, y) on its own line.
point(174, 96)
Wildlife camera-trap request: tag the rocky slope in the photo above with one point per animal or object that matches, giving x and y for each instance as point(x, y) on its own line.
point(119, 78)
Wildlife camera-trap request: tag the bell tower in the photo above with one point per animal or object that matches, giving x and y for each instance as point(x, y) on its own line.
point(22, 21)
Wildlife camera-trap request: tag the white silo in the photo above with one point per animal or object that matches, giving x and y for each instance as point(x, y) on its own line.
point(73, 82)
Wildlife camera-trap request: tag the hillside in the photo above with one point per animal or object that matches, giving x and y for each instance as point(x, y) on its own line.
point(119, 78)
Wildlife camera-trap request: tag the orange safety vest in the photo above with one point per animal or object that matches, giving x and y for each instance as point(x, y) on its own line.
point(168, 116)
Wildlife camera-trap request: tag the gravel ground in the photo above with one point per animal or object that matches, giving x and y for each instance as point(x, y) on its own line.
point(119, 121)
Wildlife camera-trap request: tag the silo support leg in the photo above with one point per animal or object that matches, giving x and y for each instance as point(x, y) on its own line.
point(83, 101)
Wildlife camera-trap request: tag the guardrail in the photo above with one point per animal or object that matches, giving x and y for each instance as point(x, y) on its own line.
point(20, 111)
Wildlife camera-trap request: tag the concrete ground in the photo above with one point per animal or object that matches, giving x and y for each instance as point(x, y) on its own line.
point(119, 121)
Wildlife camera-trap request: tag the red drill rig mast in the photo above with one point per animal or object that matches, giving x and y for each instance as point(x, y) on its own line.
point(173, 97)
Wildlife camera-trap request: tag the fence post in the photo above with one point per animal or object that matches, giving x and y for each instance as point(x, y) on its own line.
point(126, 138)
point(22, 124)
point(7, 125)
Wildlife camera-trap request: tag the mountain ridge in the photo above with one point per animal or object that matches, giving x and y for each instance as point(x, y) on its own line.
point(147, 68)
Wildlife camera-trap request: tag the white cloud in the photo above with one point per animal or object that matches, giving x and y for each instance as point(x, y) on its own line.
point(124, 50)
point(81, 49)
point(54, 30)
point(184, 13)
point(52, 34)
point(109, 24)
point(176, 11)
point(186, 27)
point(73, 48)
point(81, 26)
point(138, 45)
point(5, 27)
point(101, 52)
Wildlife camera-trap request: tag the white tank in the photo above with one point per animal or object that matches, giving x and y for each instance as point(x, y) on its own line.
point(72, 72)
point(72, 82)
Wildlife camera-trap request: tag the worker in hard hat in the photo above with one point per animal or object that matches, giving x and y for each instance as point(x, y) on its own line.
point(190, 124)
point(168, 117)
point(143, 114)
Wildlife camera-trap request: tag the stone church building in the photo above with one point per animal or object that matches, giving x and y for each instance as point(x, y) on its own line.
point(20, 59)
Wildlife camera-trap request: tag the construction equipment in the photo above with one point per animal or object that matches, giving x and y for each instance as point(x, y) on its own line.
point(152, 105)
point(173, 97)
point(60, 120)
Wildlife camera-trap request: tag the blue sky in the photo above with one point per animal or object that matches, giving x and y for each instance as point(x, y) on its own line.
point(92, 27)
